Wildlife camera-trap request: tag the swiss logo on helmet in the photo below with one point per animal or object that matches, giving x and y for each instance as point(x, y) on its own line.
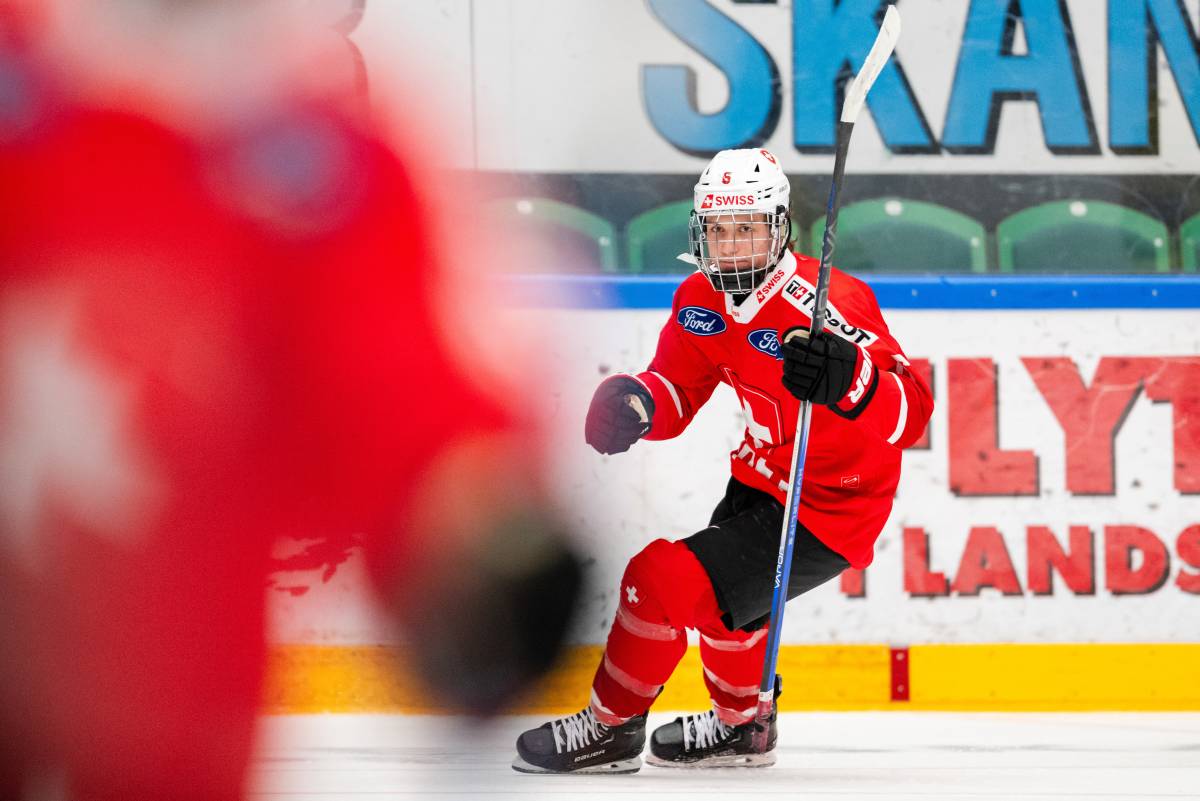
point(726, 200)
point(767, 155)
point(726, 178)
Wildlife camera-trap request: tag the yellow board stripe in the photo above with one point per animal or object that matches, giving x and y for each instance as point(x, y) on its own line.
point(372, 679)
point(1027, 677)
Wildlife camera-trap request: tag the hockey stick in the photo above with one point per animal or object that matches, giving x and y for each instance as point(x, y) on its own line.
point(856, 96)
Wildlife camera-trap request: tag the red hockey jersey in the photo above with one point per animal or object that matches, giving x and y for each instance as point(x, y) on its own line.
point(852, 466)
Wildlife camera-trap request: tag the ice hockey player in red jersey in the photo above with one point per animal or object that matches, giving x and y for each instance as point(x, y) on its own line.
point(727, 325)
point(220, 327)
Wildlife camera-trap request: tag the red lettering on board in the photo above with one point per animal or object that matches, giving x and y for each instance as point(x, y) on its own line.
point(986, 563)
point(977, 464)
point(1090, 416)
point(918, 579)
point(1176, 380)
point(1188, 548)
point(924, 369)
point(854, 584)
point(1121, 577)
point(1076, 565)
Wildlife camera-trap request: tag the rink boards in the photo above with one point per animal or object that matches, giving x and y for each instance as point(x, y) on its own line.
point(1044, 548)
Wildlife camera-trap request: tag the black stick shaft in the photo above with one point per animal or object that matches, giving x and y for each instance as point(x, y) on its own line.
point(766, 688)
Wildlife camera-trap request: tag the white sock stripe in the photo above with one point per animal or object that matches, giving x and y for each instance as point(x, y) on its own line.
point(735, 717)
point(732, 689)
point(603, 713)
point(631, 683)
point(902, 420)
point(735, 645)
point(645, 629)
point(671, 389)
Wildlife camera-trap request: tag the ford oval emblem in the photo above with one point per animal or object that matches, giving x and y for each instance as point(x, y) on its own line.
point(700, 321)
point(765, 340)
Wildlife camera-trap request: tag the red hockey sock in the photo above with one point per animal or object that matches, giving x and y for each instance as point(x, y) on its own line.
point(733, 663)
point(664, 590)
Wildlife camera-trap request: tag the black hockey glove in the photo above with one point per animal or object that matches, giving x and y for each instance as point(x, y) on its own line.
point(828, 370)
point(613, 424)
point(495, 620)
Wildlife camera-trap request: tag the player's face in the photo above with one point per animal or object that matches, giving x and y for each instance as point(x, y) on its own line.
point(738, 240)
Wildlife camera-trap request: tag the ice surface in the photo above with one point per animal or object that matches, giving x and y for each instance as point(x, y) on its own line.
point(844, 756)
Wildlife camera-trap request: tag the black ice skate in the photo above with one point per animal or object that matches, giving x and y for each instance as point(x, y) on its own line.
point(705, 741)
point(582, 744)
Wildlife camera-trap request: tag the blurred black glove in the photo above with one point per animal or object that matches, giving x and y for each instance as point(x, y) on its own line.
point(613, 420)
point(494, 620)
point(827, 369)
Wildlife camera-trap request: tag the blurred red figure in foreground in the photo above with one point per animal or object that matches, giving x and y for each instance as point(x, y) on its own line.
point(216, 331)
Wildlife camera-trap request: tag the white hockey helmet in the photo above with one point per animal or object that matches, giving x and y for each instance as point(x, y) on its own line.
point(737, 189)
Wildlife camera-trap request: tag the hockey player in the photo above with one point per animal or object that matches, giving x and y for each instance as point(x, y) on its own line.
point(222, 324)
point(740, 320)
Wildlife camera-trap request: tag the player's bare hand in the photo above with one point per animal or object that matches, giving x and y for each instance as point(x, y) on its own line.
point(619, 415)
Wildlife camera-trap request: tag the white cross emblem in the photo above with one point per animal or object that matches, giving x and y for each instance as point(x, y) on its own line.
point(758, 432)
point(631, 595)
point(64, 427)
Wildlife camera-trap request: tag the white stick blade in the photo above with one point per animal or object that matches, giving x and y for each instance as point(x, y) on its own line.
point(881, 51)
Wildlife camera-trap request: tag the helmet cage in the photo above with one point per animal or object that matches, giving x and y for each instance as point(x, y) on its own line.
point(734, 259)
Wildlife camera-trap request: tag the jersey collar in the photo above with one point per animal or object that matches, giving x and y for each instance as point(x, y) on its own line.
point(747, 310)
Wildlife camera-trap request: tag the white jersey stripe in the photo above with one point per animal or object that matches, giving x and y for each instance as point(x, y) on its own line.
point(902, 420)
point(671, 389)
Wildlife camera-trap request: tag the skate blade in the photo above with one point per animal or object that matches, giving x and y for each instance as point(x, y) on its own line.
point(618, 767)
point(736, 761)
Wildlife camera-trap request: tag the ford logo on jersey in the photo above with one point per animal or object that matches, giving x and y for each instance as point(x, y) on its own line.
point(766, 340)
point(700, 321)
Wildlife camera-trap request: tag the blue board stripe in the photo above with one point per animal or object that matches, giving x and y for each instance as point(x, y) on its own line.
point(893, 291)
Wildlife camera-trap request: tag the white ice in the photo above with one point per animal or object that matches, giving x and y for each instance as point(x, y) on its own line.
point(847, 756)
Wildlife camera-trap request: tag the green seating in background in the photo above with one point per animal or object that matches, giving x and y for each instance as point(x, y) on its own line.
point(894, 235)
point(655, 239)
point(555, 237)
point(1082, 236)
point(1189, 244)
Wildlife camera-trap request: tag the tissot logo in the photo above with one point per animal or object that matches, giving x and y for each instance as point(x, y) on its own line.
point(700, 321)
point(765, 340)
point(801, 294)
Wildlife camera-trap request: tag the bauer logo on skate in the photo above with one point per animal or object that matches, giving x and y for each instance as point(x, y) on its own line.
point(700, 321)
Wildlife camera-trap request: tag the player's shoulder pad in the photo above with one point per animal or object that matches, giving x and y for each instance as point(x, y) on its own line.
point(695, 288)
